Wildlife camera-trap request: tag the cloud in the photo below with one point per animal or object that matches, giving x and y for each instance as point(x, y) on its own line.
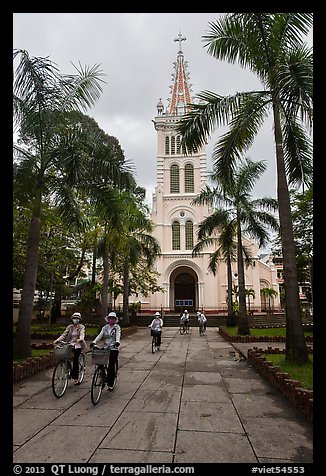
point(136, 51)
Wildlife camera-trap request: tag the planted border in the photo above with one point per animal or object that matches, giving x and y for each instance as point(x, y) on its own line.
point(301, 398)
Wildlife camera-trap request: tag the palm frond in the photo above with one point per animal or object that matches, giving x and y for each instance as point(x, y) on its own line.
point(297, 153)
point(82, 90)
point(244, 127)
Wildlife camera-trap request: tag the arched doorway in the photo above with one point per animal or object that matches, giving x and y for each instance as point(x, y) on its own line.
point(184, 284)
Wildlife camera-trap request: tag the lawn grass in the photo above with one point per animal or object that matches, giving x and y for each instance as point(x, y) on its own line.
point(55, 330)
point(270, 331)
point(303, 373)
point(35, 353)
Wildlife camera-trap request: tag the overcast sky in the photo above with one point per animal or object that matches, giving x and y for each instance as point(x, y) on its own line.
point(136, 52)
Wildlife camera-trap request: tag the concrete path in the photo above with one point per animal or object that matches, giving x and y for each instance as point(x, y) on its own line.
point(192, 402)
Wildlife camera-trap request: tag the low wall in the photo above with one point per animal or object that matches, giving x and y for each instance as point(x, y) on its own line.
point(300, 397)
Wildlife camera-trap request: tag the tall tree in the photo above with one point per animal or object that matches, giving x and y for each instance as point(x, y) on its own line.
point(51, 154)
point(137, 243)
point(226, 246)
point(271, 46)
point(269, 293)
point(249, 216)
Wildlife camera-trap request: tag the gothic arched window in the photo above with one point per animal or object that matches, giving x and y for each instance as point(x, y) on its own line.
point(172, 145)
point(189, 231)
point(178, 145)
point(176, 235)
point(189, 178)
point(174, 179)
point(167, 145)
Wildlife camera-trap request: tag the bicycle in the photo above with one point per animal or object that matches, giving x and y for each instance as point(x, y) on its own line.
point(155, 346)
point(184, 327)
point(100, 358)
point(201, 328)
point(64, 356)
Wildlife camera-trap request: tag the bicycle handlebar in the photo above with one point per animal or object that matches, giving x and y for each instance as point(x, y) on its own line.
point(96, 347)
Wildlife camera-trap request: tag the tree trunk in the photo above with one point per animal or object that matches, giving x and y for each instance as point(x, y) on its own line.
point(56, 307)
point(230, 321)
point(243, 326)
point(295, 347)
point(22, 338)
point(125, 308)
point(105, 289)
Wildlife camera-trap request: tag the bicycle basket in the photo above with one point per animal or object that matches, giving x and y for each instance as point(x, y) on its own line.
point(100, 356)
point(63, 352)
point(154, 332)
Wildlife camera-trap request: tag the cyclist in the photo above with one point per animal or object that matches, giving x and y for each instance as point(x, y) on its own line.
point(74, 335)
point(110, 334)
point(201, 319)
point(185, 319)
point(156, 326)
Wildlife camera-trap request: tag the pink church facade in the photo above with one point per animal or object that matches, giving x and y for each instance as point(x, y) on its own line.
point(186, 280)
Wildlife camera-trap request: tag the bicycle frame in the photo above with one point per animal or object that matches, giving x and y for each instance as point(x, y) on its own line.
point(62, 374)
point(99, 380)
point(201, 328)
point(155, 347)
point(184, 327)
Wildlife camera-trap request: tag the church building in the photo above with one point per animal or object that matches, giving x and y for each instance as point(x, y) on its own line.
point(186, 280)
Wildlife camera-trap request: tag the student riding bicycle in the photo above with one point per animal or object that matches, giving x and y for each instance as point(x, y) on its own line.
point(110, 334)
point(156, 327)
point(184, 320)
point(201, 320)
point(74, 335)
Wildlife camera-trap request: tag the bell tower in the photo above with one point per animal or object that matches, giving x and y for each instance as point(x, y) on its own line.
point(180, 178)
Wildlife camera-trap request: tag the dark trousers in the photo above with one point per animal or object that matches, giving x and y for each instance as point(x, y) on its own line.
point(158, 335)
point(111, 368)
point(75, 367)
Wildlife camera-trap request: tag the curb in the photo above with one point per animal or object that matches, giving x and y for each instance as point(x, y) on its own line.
point(301, 398)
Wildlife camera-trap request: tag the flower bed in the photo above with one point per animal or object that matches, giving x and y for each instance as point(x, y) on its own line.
point(300, 397)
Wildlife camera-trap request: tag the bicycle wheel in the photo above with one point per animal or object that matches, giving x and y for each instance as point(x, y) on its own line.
point(153, 344)
point(98, 383)
point(182, 329)
point(60, 378)
point(81, 367)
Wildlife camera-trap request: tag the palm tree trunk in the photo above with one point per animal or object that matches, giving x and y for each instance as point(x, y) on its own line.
point(295, 348)
point(125, 305)
point(243, 326)
point(22, 338)
point(105, 289)
point(230, 321)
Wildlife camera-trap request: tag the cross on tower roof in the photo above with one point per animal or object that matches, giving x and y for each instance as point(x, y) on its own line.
point(179, 39)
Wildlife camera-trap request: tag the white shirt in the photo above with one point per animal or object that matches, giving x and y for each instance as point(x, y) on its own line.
point(156, 324)
point(201, 318)
point(109, 334)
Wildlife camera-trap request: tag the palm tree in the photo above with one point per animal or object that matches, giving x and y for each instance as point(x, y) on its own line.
point(269, 292)
point(270, 45)
point(249, 292)
point(53, 159)
point(137, 242)
point(248, 216)
point(226, 247)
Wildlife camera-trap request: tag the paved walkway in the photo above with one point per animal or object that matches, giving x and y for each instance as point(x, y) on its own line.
point(193, 394)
